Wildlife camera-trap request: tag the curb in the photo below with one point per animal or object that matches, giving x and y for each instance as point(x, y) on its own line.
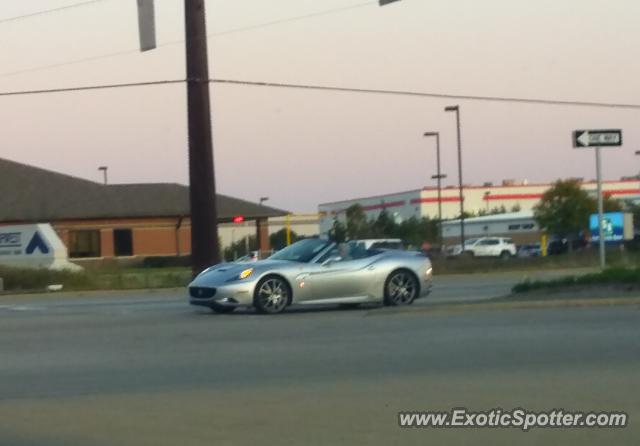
point(519, 305)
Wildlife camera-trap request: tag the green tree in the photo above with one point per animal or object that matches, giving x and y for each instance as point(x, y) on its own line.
point(415, 231)
point(609, 204)
point(239, 248)
point(278, 240)
point(565, 208)
point(384, 225)
point(338, 231)
point(516, 207)
point(357, 224)
point(498, 210)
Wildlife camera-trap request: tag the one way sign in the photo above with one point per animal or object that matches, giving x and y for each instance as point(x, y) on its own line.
point(597, 138)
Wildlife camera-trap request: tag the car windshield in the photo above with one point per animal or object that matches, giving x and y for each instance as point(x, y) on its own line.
point(471, 241)
point(303, 251)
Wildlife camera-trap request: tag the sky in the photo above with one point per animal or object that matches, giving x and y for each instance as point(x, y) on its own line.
point(300, 147)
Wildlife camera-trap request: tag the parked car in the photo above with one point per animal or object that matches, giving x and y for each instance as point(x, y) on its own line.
point(315, 271)
point(530, 250)
point(561, 246)
point(485, 247)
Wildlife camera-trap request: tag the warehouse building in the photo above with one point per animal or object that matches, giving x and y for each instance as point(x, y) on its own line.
point(420, 203)
point(124, 220)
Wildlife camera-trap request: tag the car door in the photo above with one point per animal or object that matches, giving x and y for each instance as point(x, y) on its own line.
point(481, 248)
point(348, 278)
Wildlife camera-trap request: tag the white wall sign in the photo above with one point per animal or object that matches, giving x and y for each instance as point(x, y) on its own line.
point(33, 246)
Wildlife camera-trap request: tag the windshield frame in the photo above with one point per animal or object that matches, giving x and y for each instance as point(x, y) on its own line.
point(327, 246)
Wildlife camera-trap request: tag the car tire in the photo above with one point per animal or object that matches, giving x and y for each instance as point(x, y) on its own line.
point(468, 255)
point(400, 288)
point(505, 255)
point(222, 309)
point(272, 295)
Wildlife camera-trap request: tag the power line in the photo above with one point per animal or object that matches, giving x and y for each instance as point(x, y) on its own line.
point(330, 88)
point(181, 41)
point(49, 11)
point(91, 87)
point(428, 95)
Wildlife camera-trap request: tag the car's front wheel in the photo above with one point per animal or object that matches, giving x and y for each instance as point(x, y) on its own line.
point(401, 288)
point(272, 295)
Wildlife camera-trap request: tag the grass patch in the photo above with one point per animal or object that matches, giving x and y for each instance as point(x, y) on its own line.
point(587, 258)
point(28, 280)
point(611, 276)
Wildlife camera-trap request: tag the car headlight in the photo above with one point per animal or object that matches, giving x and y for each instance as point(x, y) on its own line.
point(246, 273)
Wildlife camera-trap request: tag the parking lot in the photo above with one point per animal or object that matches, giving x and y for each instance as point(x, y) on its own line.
point(145, 368)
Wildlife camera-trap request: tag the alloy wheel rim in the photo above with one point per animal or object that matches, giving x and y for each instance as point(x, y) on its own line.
point(273, 295)
point(402, 288)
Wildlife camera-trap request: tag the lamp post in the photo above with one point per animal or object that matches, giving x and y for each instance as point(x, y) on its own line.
point(486, 199)
point(456, 109)
point(439, 176)
point(104, 173)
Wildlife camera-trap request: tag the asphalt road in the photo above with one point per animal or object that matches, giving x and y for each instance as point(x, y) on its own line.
point(146, 369)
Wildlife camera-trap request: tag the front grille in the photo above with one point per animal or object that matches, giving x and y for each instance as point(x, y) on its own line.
point(202, 293)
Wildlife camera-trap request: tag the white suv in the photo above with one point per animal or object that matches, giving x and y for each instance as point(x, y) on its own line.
point(486, 247)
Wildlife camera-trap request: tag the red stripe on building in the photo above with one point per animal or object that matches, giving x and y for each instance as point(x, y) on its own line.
point(393, 204)
point(622, 192)
point(435, 200)
point(512, 197)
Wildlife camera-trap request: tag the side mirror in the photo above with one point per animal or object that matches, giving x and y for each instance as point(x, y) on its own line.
point(330, 260)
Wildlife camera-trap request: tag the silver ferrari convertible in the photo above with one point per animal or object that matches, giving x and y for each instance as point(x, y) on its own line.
point(315, 271)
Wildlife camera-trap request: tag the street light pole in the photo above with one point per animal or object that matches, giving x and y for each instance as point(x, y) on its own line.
point(456, 108)
point(104, 173)
point(438, 177)
point(202, 191)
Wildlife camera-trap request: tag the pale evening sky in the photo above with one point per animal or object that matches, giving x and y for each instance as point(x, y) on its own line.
point(302, 148)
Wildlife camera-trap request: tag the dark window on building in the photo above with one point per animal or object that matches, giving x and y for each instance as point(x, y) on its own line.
point(122, 242)
point(528, 226)
point(514, 227)
point(84, 244)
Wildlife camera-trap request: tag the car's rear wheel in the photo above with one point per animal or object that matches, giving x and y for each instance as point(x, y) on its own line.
point(221, 309)
point(272, 295)
point(505, 255)
point(401, 288)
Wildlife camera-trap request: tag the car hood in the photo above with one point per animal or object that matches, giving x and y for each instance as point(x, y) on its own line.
point(223, 272)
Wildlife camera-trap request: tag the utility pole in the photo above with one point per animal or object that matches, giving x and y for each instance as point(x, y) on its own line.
point(202, 191)
point(456, 109)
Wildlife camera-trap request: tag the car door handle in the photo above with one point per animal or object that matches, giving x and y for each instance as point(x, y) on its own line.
point(371, 268)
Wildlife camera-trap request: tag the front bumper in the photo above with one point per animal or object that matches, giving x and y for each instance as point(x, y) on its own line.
point(426, 284)
point(227, 295)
